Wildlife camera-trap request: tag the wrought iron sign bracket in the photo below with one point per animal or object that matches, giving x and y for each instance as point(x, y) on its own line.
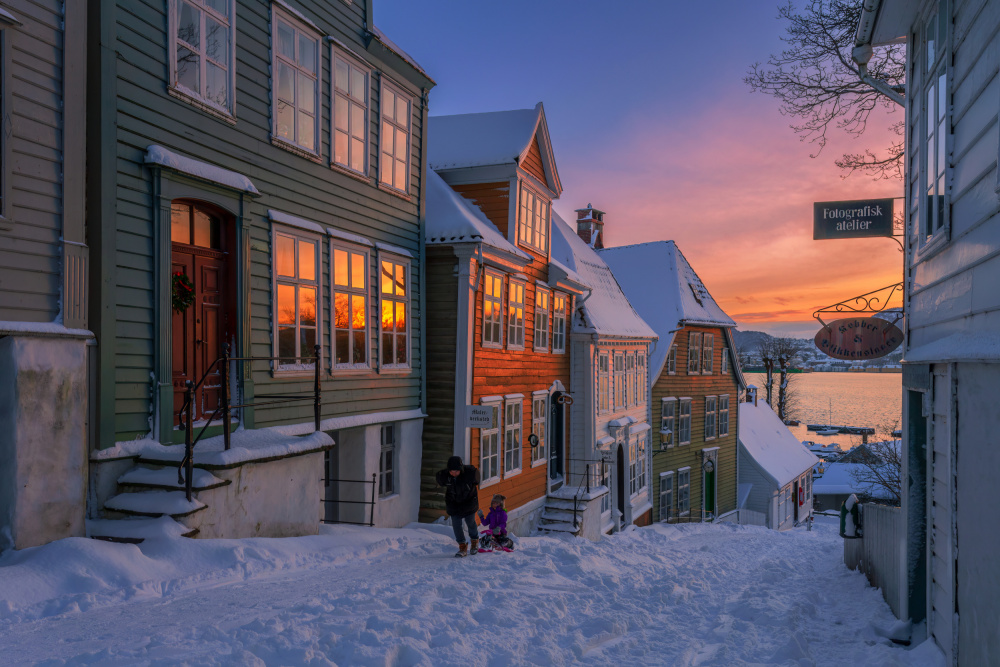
point(872, 302)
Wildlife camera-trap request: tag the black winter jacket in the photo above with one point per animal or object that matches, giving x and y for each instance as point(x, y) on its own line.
point(461, 496)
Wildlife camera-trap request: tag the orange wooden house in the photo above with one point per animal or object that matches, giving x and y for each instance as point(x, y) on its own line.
point(498, 329)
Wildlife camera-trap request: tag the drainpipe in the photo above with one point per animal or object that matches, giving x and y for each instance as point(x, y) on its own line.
point(422, 237)
point(862, 53)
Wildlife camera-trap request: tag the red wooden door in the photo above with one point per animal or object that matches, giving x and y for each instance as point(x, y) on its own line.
point(200, 330)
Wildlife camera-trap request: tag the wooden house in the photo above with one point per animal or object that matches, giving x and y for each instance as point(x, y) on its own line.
point(45, 342)
point(256, 184)
point(694, 381)
point(951, 351)
point(499, 335)
point(611, 432)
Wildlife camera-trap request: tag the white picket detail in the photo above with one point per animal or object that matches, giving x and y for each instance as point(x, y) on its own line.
point(881, 553)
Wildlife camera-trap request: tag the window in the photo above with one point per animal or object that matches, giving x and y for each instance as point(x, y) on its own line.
point(350, 112)
point(642, 441)
point(710, 408)
point(668, 414)
point(723, 415)
point(350, 306)
point(603, 378)
point(512, 435)
point(619, 378)
point(202, 51)
point(809, 487)
point(640, 370)
point(296, 86)
point(684, 427)
point(633, 468)
point(387, 462)
point(558, 322)
point(395, 296)
point(684, 491)
point(492, 310)
point(515, 315)
point(539, 424)
point(630, 388)
point(672, 360)
point(296, 288)
point(694, 352)
point(708, 354)
point(724, 367)
point(489, 445)
point(533, 221)
point(605, 473)
point(666, 495)
point(541, 319)
point(395, 139)
point(935, 124)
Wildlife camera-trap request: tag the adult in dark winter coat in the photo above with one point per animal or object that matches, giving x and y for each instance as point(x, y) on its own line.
point(461, 499)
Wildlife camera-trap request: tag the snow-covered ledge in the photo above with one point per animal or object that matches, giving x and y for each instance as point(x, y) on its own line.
point(164, 157)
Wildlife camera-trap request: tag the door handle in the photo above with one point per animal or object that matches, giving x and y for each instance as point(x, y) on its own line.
point(198, 341)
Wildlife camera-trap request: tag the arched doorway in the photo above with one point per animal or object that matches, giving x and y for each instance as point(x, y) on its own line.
point(201, 239)
point(620, 479)
point(557, 439)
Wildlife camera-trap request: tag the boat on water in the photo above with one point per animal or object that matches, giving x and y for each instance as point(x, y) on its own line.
point(828, 431)
point(791, 422)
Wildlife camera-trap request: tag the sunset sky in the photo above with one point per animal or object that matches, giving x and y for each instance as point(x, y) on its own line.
point(652, 123)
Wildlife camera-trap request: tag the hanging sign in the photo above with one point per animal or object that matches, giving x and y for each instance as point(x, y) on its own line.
point(859, 338)
point(862, 218)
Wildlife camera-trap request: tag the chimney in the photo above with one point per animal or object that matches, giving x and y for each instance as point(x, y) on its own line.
point(752, 394)
point(590, 226)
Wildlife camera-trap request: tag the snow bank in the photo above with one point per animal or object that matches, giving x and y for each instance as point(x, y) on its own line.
point(245, 446)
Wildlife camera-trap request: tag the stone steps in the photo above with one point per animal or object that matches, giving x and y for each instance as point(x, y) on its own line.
point(134, 531)
point(147, 478)
point(154, 504)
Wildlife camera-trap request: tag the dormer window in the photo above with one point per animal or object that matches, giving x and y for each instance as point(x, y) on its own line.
point(533, 221)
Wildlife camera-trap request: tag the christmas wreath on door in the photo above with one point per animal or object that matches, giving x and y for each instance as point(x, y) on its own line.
point(182, 295)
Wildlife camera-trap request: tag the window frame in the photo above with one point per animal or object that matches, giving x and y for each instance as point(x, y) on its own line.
point(350, 249)
point(196, 98)
point(280, 13)
point(668, 418)
point(298, 235)
point(932, 75)
point(711, 406)
point(708, 353)
point(559, 315)
point(684, 491)
point(631, 391)
point(665, 508)
point(338, 53)
point(723, 423)
point(542, 219)
point(500, 307)
point(724, 363)
point(603, 378)
point(694, 353)
point(390, 448)
point(405, 262)
point(6, 109)
point(641, 376)
point(398, 91)
point(672, 360)
point(514, 327)
point(541, 316)
point(683, 421)
point(539, 427)
point(513, 424)
point(618, 402)
point(484, 433)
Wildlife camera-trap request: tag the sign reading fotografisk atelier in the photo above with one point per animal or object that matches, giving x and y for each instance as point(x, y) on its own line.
point(852, 219)
point(858, 338)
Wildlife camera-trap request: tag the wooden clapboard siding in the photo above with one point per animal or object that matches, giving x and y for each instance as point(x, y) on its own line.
point(493, 199)
point(30, 240)
point(146, 114)
point(697, 387)
point(533, 161)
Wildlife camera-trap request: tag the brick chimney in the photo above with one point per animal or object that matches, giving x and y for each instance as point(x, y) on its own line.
point(590, 226)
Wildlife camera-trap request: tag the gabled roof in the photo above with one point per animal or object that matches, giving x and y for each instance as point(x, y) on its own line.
point(665, 291)
point(488, 139)
point(605, 310)
point(777, 452)
point(453, 219)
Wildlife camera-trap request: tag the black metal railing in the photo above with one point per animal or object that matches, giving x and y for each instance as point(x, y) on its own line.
point(185, 416)
point(584, 483)
point(371, 503)
point(689, 516)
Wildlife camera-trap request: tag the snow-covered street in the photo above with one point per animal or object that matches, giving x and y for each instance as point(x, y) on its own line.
point(664, 595)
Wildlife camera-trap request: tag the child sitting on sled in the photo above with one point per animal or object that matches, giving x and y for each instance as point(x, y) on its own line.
point(495, 526)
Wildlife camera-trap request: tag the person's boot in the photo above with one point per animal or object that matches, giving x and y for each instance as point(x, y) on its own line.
point(475, 546)
point(462, 550)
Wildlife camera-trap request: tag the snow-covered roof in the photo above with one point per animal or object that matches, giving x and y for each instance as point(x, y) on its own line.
point(838, 479)
point(605, 310)
point(664, 290)
point(203, 170)
point(453, 219)
point(480, 139)
point(772, 446)
point(392, 46)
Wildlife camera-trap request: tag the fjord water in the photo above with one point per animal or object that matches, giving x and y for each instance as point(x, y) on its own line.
point(841, 399)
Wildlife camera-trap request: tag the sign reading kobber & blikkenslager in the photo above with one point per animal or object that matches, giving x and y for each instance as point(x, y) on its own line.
point(852, 219)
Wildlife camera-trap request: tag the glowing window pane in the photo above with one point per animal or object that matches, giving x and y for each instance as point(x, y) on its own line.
point(285, 253)
point(340, 267)
point(358, 267)
point(307, 260)
point(286, 304)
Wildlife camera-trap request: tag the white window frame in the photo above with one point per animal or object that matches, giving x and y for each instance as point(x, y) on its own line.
point(934, 225)
point(672, 360)
point(490, 445)
point(684, 491)
point(539, 426)
point(279, 14)
point(603, 382)
point(298, 236)
point(711, 406)
point(541, 323)
point(666, 495)
point(515, 326)
point(513, 427)
point(694, 353)
point(642, 449)
point(493, 279)
point(641, 375)
point(533, 215)
point(684, 421)
point(668, 419)
point(604, 477)
point(388, 462)
point(198, 97)
point(633, 468)
point(559, 322)
point(724, 365)
point(395, 260)
point(352, 251)
point(708, 353)
point(631, 391)
point(398, 92)
point(339, 55)
point(619, 380)
point(723, 415)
